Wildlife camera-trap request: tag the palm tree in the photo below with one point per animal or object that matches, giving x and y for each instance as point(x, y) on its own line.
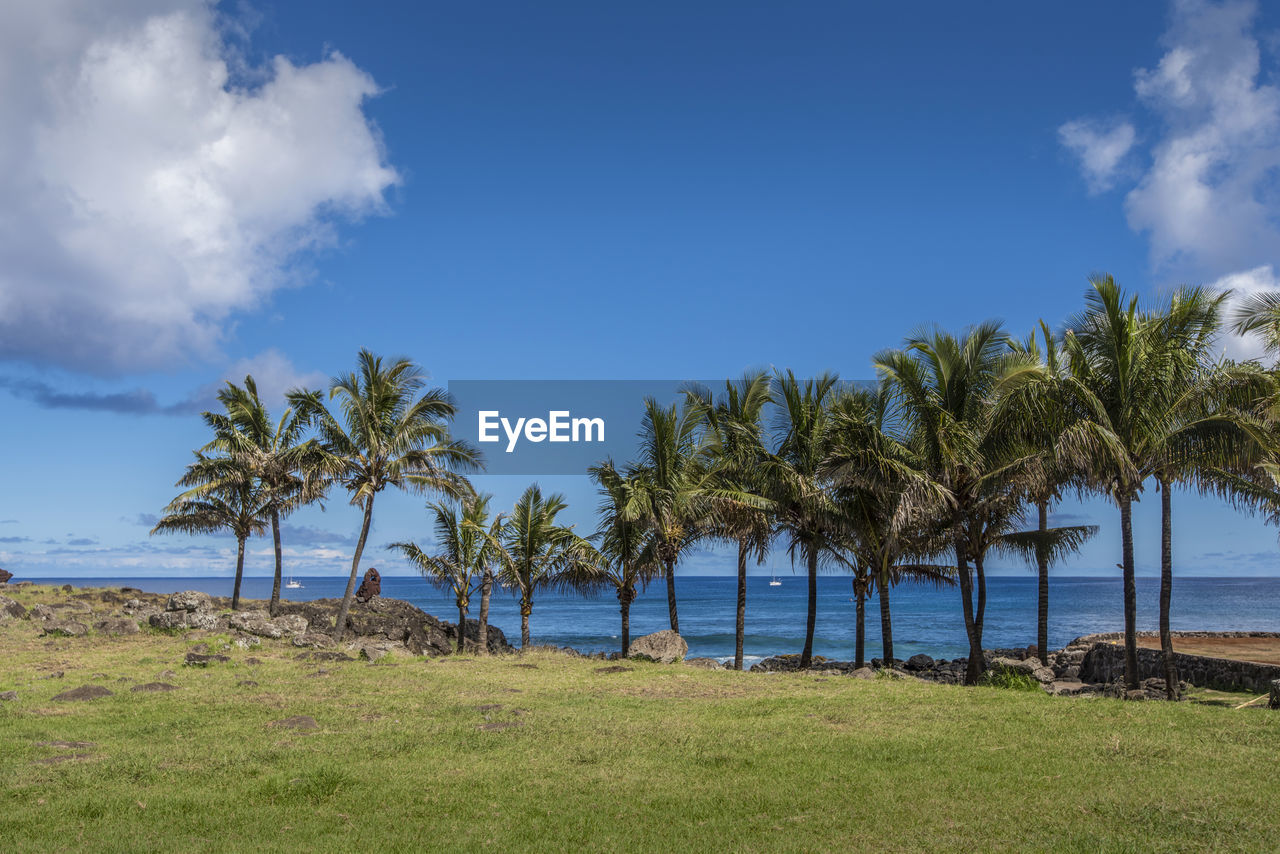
point(1149, 394)
point(388, 432)
point(493, 558)
point(235, 504)
point(736, 456)
point(627, 558)
point(464, 554)
point(539, 552)
point(892, 508)
point(674, 481)
point(286, 465)
point(795, 471)
point(948, 392)
point(1205, 424)
point(1046, 411)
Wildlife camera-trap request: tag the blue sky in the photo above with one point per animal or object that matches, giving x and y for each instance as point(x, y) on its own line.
point(579, 190)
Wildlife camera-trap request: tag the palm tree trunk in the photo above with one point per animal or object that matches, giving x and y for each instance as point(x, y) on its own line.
point(1166, 589)
point(806, 655)
point(624, 606)
point(740, 626)
point(1130, 594)
point(860, 632)
point(462, 628)
point(275, 585)
point(235, 591)
point(671, 596)
point(526, 608)
point(980, 612)
point(976, 663)
point(341, 626)
point(886, 623)
point(1042, 597)
point(482, 635)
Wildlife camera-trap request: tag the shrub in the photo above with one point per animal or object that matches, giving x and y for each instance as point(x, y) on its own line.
point(1010, 680)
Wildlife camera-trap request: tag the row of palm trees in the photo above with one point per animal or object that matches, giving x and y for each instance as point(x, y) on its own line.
point(922, 475)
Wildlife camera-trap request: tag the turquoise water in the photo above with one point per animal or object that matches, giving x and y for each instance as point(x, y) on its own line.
point(924, 619)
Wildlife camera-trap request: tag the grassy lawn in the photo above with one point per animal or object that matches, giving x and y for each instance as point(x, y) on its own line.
point(412, 754)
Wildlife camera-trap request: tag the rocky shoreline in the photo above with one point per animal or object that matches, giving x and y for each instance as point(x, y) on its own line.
point(1086, 667)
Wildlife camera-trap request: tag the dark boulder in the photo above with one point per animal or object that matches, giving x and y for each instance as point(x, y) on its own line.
point(5, 576)
point(11, 609)
point(497, 641)
point(920, 661)
point(65, 628)
point(370, 587)
point(379, 620)
point(116, 626)
point(154, 686)
point(195, 659)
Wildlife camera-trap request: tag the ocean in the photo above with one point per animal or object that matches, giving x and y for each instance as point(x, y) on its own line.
point(924, 619)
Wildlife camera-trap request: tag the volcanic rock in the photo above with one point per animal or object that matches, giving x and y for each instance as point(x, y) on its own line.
point(11, 609)
point(116, 626)
point(189, 600)
point(65, 628)
point(664, 647)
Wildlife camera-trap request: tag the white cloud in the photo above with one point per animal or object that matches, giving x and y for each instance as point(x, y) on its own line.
point(1241, 285)
point(1099, 148)
point(272, 372)
point(1209, 200)
point(147, 192)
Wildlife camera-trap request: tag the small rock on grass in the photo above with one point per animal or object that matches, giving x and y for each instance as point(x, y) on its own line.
point(8, 696)
point(84, 692)
point(155, 686)
point(195, 659)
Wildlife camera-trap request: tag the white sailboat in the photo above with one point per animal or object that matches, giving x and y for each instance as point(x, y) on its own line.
point(774, 582)
point(292, 584)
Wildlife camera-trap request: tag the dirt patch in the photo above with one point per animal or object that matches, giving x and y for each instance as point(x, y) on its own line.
point(617, 668)
point(70, 757)
point(154, 686)
point(488, 707)
point(66, 745)
point(1257, 650)
point(497, 725)
point(84, 692)
point(300, 722)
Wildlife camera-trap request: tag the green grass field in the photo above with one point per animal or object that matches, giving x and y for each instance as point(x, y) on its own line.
point(547, 752)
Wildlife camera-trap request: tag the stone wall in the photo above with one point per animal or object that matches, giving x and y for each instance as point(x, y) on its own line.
point(1104, 662)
